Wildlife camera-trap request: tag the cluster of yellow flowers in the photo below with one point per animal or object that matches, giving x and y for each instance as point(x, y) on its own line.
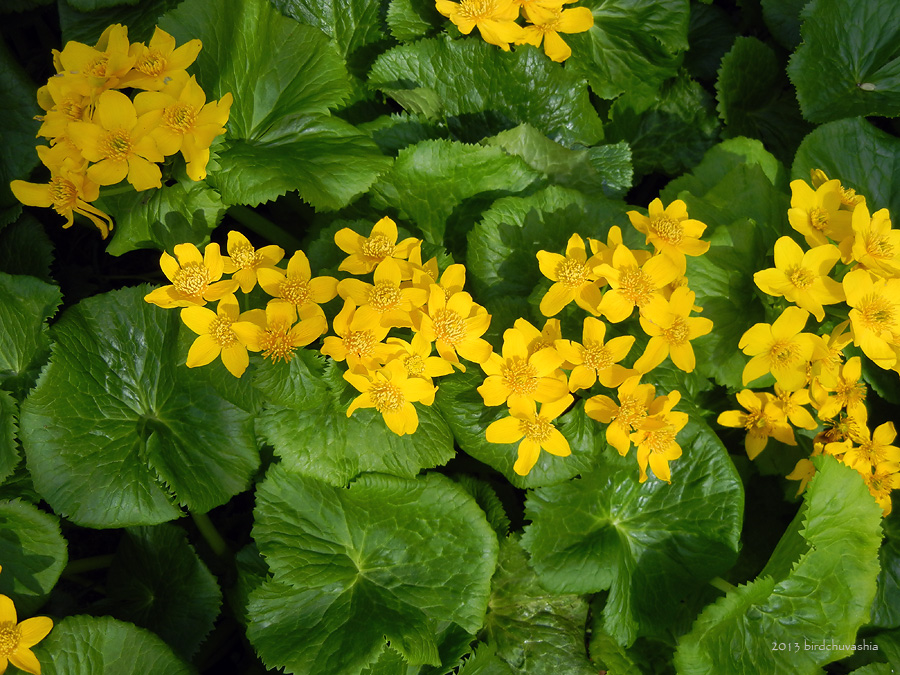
point(496, 20)
point(98, 136)
point(531, 367)
point(809, 368)
point(17, 639)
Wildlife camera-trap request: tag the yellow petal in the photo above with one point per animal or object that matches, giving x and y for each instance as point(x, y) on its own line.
point(143, 175)
point(204, 350)
point(504, 430)
point(555, 47)
point(34, 630)
point(116, 111)
point(24, 659)
point(556, 444)
point(7, 610)
point(32, 194)
point(236, 359)
point(556, 298)
point(528, 454)
point(198, 319)
point(108, 171)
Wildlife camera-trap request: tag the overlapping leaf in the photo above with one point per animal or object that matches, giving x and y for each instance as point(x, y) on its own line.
point(17, 154)
point(9, 452)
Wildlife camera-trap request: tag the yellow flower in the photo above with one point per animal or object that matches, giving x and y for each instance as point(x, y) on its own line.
point(519, 375)
point(226, 331)
point(874, 245)
point(534, 429)
point(549, 23)
point(455, 325)
point(655, 439)
point(881, 481)
point(358, 341)
point(573, 277)
point(671, 232)
point(186, 122)
point(391, 392)
point(538, 339)
point(495, 19)
point(764, 419)
point(119, 143)
point(195, 278)
point(780, 349)
point(874, 449)
point(791, 404)
point(831, 353)
point(875, 315)
point(633, 284)
point(66, 98)
point(815, 213)
point(417, 359)
point(595, 359)
point(244, 262)
point(849, 199)
point(159, 61)
point(802, 278)
point(101, 65)
point(280, 338)
point(849, 393)
point(803, 471)
point(296, 286)
point(671, 330)
point(635, 402)
point(426, 273)
point(16, 639)
point(384, 302)
point(367, 252)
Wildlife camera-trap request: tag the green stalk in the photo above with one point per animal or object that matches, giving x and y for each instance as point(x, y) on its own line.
point(264, 227)
point(210, 534)
point(97, 562)
point(722, 585)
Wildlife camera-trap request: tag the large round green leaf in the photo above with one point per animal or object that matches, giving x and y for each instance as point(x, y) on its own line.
point(87, 645)
point(388, 558)
point(33, 553)
point(117, 432)
point(649, 543)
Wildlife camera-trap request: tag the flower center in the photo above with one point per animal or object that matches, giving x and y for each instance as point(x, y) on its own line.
point(536, 429)
point(384, 296)
point(63, 194)
point(631, 412)
point(295, 291)
point(539, 344)
point(877, 313)
point(596, 355)
point(783, 353)
point(220, 330)
point(449, 326)
point(636, 286)
point(378, 247)
point(660, 440)
point(180, 117)
point(10, 635)
point(849, 198)
point(519, 377)
point(757, 423)
point(191, 279)
point(571, 272)
point(477, 9)
point(71, 107)
point(801, 277)
point(387, 397)
point(244, 257)
point(678, 332)
point(97, 67)
point(551, 25)
point(152, 63)
point(852, 393)
point(415, 365)
point(818, 218)
point(668, 229)
point(878, 246)
point(116, 145)
point(359, 342)
point(276, 344)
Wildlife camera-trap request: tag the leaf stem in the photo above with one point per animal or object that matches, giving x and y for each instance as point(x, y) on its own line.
point(722, 585)
point(210, 534)
point(82, 565)
point(264, 227)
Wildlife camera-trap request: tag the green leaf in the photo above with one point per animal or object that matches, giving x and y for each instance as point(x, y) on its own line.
point(25, 305)
point(394, 132)
point(631, 47)
point(94, 5)
point(284, 77)
point(605, 169)
point(33, 552)
point(886, 608)
point(874, 669)
point(485, 662)
point(467, 416)
point(410, 20)
point(673, 133)
point(433, 178)
point(782, 18)
point(140, 17)
point(829, 588)
point(9, 450)
point(847, 64)
point(352, 24)
point(87, 645)
point(754, 98)
point(488, 500)
point(18, 106)
point(313, 435)
point(453, 643)
point(533, 631)
point(388, 558)
point(440, 77)
point(158, 582)
point(162, 218)
point(711, 33)
point(26, 249)
point(651, 544)
point(117, 432)
point(862, 156)
point(252, 573)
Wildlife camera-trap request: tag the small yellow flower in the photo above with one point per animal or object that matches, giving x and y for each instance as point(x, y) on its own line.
point(874, 245)
point(671, 232)
point(367, 252)
point(495, 19)
point(195, 278)
point(803, 471)
point(417, 359)
point(843, 390)
point(549, 22)
point(671, 330)
point(802, 278)
point(391, 392)
point(594, 359)
point(384, 302)
point(244, 262)
point(102, 65)
point(538, 339)
point(455, 325)
point(816, 213)
point(849, 199)
point(655, 438)
point(516, 374)
point(780, 349)
point(65, 98)
point(296, 286)
point(764, 419)
point(881, 481)
point(874, 448)
point(573, 276)
point(159, 61)
point(225, 332)
point(634, 284)
point(280, 337)
point(791, 404)
point(534, 429)
point(16, 639)
point(875, 315)
point(635, 403)
point(357, 341)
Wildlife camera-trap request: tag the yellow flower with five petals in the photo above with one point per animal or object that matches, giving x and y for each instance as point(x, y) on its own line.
point(495, 19)
point(16, 639)
point(296, 285)
point(194, 277)
point(573, 276)
point(671, 329)
point(244, 262)
point(548, 22)
point(670, 231)
point(392, 393)
point(780, 348)
point(366, 252)
point(225, 332)
point(280, 337)
point(533, 430)
point(595, 359)
point(515, 374)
